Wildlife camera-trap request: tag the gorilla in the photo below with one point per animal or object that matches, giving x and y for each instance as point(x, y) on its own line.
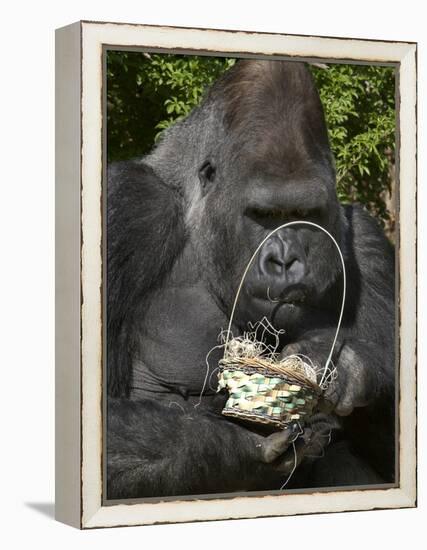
point(183, 222)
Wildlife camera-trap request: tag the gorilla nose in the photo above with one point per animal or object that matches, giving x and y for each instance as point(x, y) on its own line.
point(281, 259)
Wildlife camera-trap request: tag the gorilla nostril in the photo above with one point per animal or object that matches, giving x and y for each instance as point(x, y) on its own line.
point(276, 261)
point(290, 263)
point(274, 264)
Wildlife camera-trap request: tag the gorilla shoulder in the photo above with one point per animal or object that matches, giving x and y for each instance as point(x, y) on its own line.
point(367, 236)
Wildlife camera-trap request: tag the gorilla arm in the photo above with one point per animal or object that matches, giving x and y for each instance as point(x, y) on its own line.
point(158, 450)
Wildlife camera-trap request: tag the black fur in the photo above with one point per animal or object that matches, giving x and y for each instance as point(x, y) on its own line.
point(182, 224)
point(145, 235)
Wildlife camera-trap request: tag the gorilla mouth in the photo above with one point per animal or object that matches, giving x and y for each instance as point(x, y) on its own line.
point(293, 295)
point(283, 307)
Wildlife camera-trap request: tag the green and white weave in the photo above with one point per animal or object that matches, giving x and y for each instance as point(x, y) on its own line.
point(266, 397)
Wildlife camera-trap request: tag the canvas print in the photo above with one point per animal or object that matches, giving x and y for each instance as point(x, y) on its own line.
point(250, 275)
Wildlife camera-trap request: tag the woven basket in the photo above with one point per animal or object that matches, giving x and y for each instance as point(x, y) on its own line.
point(257, 394)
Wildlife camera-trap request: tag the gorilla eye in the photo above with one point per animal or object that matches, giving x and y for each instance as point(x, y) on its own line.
point(207, 173)
point(301, 213)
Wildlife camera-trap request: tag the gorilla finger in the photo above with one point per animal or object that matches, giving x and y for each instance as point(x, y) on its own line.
point(292, 458)
point(276, 444)
point(219, 400)
point(299, 348)
point(330, 398)
point(291, 349)
point(321, 423)
point(344, 407)
point(326, 406)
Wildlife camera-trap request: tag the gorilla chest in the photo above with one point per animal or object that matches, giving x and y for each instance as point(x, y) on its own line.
point(180, 328)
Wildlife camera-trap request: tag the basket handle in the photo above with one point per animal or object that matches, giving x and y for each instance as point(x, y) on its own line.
point(289, 224)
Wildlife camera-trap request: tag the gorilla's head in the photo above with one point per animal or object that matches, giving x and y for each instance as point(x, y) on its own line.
point(252, 156)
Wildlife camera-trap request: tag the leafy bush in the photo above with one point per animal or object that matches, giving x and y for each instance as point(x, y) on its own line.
point(146, 93)
point(359, 104)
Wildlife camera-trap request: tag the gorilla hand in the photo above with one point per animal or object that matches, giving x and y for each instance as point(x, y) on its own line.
point(356, 381)
point(277, 450)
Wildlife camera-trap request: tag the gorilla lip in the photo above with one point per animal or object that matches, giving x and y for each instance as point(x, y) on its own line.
point(294, 295)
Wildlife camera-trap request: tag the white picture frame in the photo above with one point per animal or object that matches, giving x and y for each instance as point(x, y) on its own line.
point(79, 272)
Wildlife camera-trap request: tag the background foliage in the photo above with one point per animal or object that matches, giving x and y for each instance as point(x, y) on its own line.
point(148, 92)
point(359, 104)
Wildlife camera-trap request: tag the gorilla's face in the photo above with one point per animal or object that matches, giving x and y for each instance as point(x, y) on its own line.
point(265, 161)
point(294, 267)
point(291, 272)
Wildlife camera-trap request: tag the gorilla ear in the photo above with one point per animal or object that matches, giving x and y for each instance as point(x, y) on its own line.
point(207, 173)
